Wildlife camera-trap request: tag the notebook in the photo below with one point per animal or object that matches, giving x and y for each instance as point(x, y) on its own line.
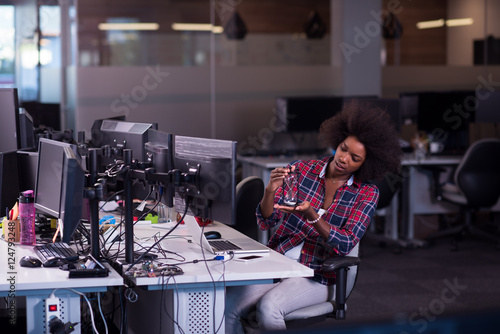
point(223, 246)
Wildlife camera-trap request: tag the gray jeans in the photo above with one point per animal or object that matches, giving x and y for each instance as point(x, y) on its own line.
point(264, 306)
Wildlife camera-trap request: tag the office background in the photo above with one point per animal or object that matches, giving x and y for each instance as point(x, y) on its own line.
point(212, 86)
point(206, 84)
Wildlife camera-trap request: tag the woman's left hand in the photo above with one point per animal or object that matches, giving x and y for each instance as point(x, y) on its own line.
point(303, 208)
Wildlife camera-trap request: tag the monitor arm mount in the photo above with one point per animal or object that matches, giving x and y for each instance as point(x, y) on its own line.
point(133, 170)
point(94, 193)
point(173, 177)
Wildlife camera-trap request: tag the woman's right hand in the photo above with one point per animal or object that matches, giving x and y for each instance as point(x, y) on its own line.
point(275, 181)
point(276, 178)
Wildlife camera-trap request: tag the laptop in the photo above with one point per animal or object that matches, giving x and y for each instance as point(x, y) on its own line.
point(223, 246)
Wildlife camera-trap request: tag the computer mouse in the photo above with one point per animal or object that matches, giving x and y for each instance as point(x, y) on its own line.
point(54, 262)
point(212, 235)
point(30, 261)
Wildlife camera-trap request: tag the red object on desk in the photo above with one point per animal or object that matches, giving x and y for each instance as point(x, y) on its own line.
point(202, 222)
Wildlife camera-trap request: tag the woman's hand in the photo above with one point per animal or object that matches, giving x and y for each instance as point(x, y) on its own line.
point(303, 208)
point(275, 181)
point(276, 178)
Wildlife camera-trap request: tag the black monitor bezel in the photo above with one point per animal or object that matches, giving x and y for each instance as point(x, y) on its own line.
point(71, 186)
point(12, 93)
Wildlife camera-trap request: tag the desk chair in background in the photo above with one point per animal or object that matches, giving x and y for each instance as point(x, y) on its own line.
point(249, 192)
point(476, 185)
point(346, 269)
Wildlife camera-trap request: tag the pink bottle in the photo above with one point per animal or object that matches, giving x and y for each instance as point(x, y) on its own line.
point(27, 217)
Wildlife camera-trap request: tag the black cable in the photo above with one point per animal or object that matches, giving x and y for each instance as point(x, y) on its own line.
point(156, 243)
point(213, 281)
point(163, 302)
point(109, 198)
point(122, 231)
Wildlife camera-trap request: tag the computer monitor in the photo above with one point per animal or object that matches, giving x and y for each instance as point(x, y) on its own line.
point(60, 182)
point(9, 125)
point(159, 152)
point(446, 115)
point(211, 163)
point(392, 107)
point(488, 108)
point(28, 164)
point(305, 113)
point(122, 135)
point(9, 180)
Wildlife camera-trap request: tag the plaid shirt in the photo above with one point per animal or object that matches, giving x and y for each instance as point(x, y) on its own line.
point(353, 206)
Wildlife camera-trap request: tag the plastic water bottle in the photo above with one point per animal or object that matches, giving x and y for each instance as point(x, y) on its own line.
point(27, 217)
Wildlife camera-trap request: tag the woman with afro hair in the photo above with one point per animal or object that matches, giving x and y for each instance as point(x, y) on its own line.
point(336, 204)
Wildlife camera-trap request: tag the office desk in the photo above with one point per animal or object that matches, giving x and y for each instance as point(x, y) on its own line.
point(417, 197)
point(196, 298)
point(417, 191)
point(36, 284)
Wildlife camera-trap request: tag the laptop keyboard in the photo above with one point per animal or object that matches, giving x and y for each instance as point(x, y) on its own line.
point(223, 245)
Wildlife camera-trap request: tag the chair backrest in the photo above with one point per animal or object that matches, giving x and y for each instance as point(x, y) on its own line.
point(249, 192)
point(387, 189)
point(478, 174)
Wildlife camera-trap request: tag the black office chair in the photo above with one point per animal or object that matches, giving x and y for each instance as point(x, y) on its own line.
point(476, 185)
point(346, 269)
point(387, 208)
point(249, 192)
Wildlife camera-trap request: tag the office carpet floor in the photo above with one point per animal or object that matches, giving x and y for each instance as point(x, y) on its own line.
point(422, 290)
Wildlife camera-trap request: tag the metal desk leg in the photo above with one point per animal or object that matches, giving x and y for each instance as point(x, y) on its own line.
point(407, 210)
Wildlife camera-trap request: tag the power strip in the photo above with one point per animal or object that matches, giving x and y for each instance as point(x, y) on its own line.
point(52, 309)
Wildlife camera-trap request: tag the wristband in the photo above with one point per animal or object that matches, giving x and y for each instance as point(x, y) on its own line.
point(320, 214)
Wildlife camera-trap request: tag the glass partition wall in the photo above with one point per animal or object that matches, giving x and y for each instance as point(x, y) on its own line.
point(224, 62)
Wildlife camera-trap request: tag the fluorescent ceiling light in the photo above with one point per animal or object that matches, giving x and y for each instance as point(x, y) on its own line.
point(459, 22)
point(430, 24)
point(197, 27)
point(449, 23)
point(129, 26)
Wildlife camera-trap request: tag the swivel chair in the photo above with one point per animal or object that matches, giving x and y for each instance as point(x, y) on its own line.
point(346, 269)
point(476, 185)
point(249, 192)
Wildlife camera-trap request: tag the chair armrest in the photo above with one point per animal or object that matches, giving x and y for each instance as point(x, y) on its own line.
point(335, 263)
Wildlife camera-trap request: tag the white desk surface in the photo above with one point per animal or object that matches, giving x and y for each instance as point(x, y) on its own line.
point(272, 266)
point(32, 279)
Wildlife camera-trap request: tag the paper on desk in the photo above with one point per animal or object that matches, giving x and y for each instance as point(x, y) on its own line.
point(108, 206)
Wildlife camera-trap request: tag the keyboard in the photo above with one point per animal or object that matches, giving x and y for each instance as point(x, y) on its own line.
point(56, 250)
point(223, 245)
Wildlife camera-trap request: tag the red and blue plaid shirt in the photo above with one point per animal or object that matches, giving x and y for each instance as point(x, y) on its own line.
point(353, 206)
